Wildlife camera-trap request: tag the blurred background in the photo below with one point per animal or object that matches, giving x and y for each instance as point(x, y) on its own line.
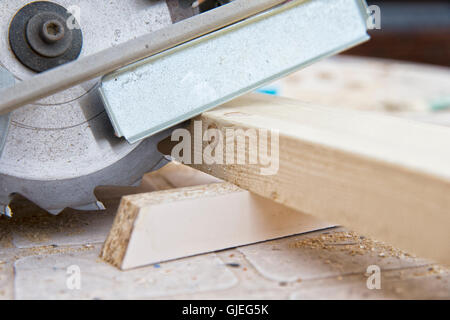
point(403, 70)
point(412, 30)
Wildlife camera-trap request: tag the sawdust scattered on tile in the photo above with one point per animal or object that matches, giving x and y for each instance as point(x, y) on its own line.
point(354, 244)
point(48, 250)
point(351, 243)
point(432, 270)
point(40, 228)
point(5, 236)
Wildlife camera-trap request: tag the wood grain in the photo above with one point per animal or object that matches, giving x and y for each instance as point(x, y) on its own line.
point(382, 176)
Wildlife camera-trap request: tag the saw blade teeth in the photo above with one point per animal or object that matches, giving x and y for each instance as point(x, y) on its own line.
point(54, 212)
point(98, 205)
point(137, 183)
point(79, 193)
point(6, 211)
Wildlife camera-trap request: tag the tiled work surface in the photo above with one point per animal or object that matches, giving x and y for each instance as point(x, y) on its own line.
point(325, 264)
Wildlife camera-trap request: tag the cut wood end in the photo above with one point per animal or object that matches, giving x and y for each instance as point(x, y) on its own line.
point(116, 244)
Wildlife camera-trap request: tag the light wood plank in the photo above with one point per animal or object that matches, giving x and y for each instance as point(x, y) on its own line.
point(171, 224)
point(382, 176)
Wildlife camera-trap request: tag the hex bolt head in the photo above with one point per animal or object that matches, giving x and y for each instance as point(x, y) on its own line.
point(52, 31)
point(40, 37)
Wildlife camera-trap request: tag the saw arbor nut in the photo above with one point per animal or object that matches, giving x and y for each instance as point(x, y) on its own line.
point(40, 38)
point(52, 31)
point(48, 35)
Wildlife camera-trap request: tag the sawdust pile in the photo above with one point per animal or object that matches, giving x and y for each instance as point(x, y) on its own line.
point(40, 227)
point(36, 225)
point(351, 243)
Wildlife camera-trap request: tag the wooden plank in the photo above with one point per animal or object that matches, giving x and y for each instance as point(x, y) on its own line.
point(382, 176)
point(171, 224)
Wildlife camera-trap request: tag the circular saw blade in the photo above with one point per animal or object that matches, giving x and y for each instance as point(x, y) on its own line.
point(59, 149)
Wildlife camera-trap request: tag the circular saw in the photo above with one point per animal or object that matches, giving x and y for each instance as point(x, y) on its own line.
point(88, 88)
point(58, 149)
